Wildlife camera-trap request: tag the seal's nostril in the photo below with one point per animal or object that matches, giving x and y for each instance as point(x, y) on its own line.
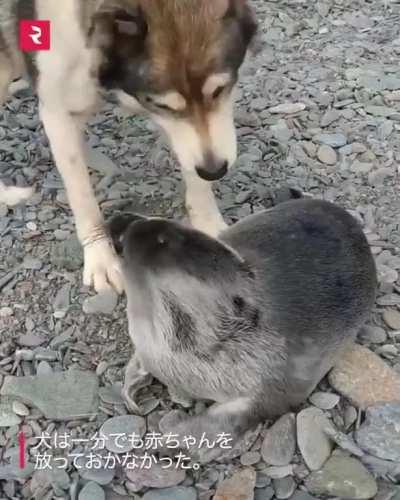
point(161, 239)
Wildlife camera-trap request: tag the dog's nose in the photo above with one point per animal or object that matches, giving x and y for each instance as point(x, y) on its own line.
point(212, 170)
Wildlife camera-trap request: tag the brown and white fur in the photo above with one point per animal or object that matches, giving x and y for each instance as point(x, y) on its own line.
point(176, 59)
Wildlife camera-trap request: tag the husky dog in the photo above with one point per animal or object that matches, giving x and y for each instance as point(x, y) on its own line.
point(178, 60)
point(252, 321)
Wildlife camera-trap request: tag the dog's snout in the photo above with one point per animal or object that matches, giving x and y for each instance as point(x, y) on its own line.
point(212, 170)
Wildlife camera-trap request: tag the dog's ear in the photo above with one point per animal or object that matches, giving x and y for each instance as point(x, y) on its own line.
point(119, 17)
point(118, 226)
point(243, 12)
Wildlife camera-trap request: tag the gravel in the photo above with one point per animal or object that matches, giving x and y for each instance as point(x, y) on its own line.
point(319, 111)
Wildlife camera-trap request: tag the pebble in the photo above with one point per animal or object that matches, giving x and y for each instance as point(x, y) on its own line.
point(238, 487)
point(6, 312)
point(177, 493)
point(75, 397)
point(364, 378)
point(279, 443)
point(284, 487)
point(101, 476)
point(92, 491)
point(333, 140)
point(379, 435)
point(372, 334)
point(250, 458)
point(8, 418)
point(329, 117)
point(102, 303)
point(326, 154)
point(125, 426)
point(279, 471)
point(324, 400)
point(313, 443)
point(392, 318)
point(100, 162)
point(288, 108)
point(157, 476)
point(264, 493)
point(342, 477)
point(30, 340)
point(20, 409)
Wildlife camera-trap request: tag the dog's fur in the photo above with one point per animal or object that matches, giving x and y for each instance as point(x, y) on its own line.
point(252, 321)
point(176, 59)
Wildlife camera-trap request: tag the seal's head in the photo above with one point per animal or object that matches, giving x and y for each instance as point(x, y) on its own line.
point(164, 257)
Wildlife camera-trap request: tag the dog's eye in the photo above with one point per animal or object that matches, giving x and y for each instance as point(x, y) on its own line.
point(217, 92)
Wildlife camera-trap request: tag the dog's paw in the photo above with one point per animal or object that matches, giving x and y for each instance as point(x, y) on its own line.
point(209, 223)
point(102, 267)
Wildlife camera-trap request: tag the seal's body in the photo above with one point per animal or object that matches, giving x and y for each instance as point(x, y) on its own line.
point(253, 320)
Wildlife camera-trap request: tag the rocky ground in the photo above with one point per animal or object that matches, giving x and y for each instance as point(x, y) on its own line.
point(319, 109)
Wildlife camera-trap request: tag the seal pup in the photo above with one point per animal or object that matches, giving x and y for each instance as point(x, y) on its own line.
point(251, 321)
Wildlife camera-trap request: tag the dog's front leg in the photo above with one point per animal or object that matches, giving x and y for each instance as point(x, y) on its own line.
point(202, 206)
point(102, 266)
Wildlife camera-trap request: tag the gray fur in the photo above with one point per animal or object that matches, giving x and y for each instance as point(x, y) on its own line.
point(253, 321)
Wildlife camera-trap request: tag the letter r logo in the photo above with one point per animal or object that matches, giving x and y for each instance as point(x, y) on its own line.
point(34, 35)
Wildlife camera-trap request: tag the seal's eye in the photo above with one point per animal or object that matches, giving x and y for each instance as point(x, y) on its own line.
point(239, 304)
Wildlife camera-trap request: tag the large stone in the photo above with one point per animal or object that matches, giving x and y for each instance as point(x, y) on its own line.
point(238, 487)
point(60, 396)
point(280, 441)
point(379, 435)
point(364, 378)
point(342, 477)
point(313, 442)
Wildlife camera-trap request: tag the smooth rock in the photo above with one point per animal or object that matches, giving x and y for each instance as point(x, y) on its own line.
point(329, 117)
point(99, 161)
point(379, 435)
point(284, 487)
point(156, 477)
point(102, 303)
point(178, 493)
point(313, 443)
point(392, 318)
point(264, 493)
point(279, 444)
point(342, 477)
point(364, 378)
point(250, 458)
point(30, 340)
point(372, 334)
point(20, 409)
point(92, 491)
point(333, 140)
point(238, 487)
point(61, 396)
point(125, 426)
point(8, 418)
point(288, 108)
point(326, 154)
point(324, 400)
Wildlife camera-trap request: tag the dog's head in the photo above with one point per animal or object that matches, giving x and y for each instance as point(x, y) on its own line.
point(179, 59)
